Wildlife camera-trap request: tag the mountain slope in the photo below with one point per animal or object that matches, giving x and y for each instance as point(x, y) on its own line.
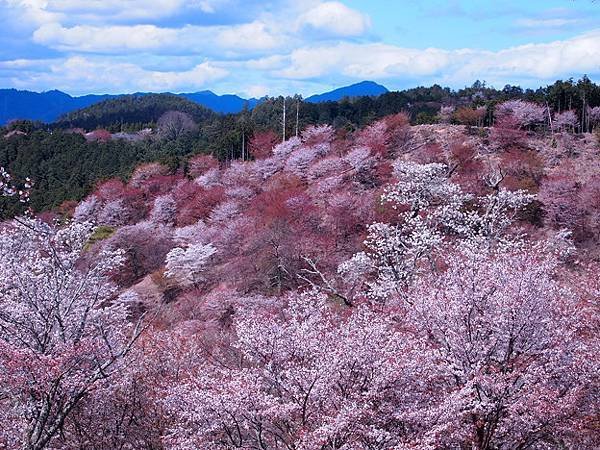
point(137, 109)
point(364, 88)
point(42, 106)
point(51, 105)
point(227, 103)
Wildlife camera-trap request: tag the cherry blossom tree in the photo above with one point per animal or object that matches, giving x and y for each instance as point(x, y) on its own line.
point(122, 414)
point(185, 264)
point(470, 116)
point(594, 116)
point(508, 366)
point(110, 190)
point(60, 332)
point(398, 133)
point(387, 304)
point(431, 209)
point(224, 212)
point(195, 201)
point(485, 354)
point(210, 178)
point(571, 201)
point(8, 188)
point(6, 183)
point(525, 114)
point(299, 161)
point(145, 172)
point(445, 114)
point(199, 164)
point(305, 378)
point(464, 164)
point(114, 213)
point(143, 246)
point(374, 137)
point(285, 148)
point(426, 201)
point(88, 209)
point(390, 134)
point(326, 167)
point(363, 164)
point(261, 144)
point(164, 210)
point(320, 134)
point(566, 120)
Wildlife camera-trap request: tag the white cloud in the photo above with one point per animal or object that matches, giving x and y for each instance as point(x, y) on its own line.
point(31, 11)
point(87, 38)
point(309, 67)
point(254, 36)
point(105, 12)
point(279, 49)
point(267, 63)
point(546, 23)
point(250, 36)
point(580, 54)
point(364, 61)
point(198, 76)
point(24, 63)
point(113, 9)
point(335, 18)
point(210, 6)
point(256, 91)
point(102, 75)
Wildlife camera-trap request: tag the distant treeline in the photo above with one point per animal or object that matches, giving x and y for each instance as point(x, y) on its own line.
point(224, 135)
point(65, 166)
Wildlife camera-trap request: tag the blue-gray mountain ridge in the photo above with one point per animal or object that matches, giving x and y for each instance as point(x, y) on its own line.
point(50, 105)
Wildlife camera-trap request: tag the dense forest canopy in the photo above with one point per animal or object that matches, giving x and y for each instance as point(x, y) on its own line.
point(65, 166)
point(132, 112)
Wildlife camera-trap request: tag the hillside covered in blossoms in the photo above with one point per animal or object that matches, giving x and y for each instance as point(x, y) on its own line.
point(396, 286)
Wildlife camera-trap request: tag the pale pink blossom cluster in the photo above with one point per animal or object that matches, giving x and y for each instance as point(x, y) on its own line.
point(525, 114)
point(61, 335)
point(332, 294)
point(566, 120)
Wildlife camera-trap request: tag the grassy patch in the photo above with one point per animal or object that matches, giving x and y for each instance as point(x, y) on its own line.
point(99, 234)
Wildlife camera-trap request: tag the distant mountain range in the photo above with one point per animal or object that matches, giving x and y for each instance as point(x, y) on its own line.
point(48, 106)
point(362, 89)
point(227, 103)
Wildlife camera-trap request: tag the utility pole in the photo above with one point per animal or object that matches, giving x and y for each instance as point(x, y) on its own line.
point(283, 121)
point(297, 113)
point(243, 145)
point(550, 118)
point(583, 124)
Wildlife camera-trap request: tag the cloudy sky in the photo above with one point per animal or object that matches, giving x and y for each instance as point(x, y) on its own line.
point(254, 48)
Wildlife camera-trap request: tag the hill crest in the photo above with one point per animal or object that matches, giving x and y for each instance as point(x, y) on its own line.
point(48, 106)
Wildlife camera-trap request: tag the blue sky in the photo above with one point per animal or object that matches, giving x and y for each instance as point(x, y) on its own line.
point(273, 47)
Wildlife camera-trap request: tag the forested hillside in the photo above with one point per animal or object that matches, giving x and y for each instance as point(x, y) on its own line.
point(132, 112)
point(312, 261)
point(66, 166)
point(391, 286)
